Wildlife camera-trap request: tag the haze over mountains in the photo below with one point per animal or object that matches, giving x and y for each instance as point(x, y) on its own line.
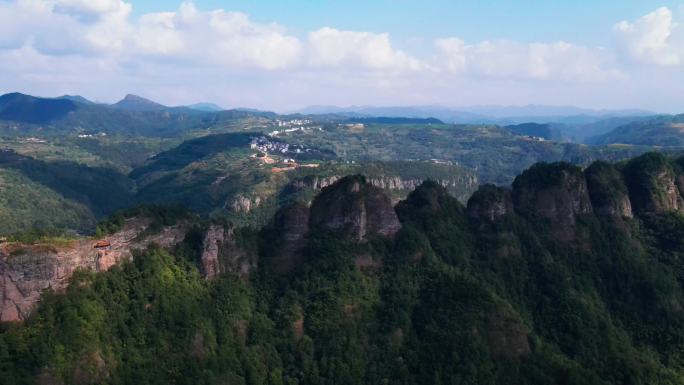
point(341, 193)
point(483, 114)
point(136, 221)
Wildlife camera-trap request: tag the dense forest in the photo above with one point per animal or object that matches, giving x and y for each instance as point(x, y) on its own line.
point(571, 277)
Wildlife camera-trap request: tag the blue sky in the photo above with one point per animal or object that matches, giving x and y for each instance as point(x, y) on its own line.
point(581, 21)
point(283, 55)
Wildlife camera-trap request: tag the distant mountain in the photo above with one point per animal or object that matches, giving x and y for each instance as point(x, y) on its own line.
point(30, 109)
point(24, 114)
point(392, 120)
point(138, 103)
point(206, 107)
point(546, 131)
point(666, 131)
point(482, 114)
point(76, 98)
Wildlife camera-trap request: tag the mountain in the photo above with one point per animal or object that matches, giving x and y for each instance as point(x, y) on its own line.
point(137, 103)
point(223, 175)
point(666, 131)
point(387, 120)
point(206, 107)
point(76, 98)
point(546, 131)
point(483, 114)
point(30, 109)
point(568, 276)
point(22, 115)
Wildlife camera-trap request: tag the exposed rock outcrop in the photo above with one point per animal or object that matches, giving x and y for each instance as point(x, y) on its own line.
point(290, 226)
point(355, 209)
point(652, 185)
point(27, 270)
point(221, 253)
point(489, 203)
point(555, 192)
point(242, 204)
point(392, 183)
point(607, 191)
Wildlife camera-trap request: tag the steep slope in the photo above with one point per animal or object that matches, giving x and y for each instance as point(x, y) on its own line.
point(487, 293)
point(29, 115)
point(666, 131)
point(26, 205)
point(545, 131)
point(230, 175)
point(25, 108)
point(137, 103)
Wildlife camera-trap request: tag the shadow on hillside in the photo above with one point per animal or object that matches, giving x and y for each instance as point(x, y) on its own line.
point(103, 190)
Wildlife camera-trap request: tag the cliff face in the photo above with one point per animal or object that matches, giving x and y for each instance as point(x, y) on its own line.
point(390, 183)
point(221, 253)
point(490, 203)
point(559, 193)
point(609, 195)
point(27, 270)
point(354, 209)
point(652, 184)
point(291, 224)
point(555, 192)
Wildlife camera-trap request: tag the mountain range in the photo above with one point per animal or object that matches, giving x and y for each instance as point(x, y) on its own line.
point(568, 276)
point(483, 114)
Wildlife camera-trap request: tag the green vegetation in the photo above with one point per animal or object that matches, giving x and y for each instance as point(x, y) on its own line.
point(495, 153)
point(26, 205)
point(665, 131)
point(439, 304)
point(107, 158)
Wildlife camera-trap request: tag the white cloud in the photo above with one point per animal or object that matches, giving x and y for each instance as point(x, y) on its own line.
point(105, 28)
point(329, 47)
point(653, 38)
point(89, 7)
point(514, 60)
point(102, 49)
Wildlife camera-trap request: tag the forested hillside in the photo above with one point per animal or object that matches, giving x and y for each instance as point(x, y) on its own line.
point(570, 277)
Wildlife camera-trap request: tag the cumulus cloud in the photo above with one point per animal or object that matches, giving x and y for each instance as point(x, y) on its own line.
point(510, 59)
point(653, 38)
point(105, 27)
point(101, 48)
point(329, 47)
point(90, 8)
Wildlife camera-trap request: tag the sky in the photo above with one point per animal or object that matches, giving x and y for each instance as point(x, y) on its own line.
point(284, 55)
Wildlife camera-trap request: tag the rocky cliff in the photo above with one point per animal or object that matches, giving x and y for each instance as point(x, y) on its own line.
point(559, 193)
point(222, 253)
point(397, 186)
point(489, 203)
point(652, 184)
point(555, 195)
point(608, 192)
point(27, 270)
point(289, 228)
point(354, 209)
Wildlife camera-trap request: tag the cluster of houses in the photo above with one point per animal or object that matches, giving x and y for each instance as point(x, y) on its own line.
point(292, 122)
point(293, 129)
point(354, 126)
point(265, 145)
point(294, 125)
point(92, 135)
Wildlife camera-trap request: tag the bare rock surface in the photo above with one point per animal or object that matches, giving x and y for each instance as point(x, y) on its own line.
point(27, 270)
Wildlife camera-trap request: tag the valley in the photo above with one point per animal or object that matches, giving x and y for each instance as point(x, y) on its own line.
point(250, 247)
point(225, 163)
point(497, 277)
